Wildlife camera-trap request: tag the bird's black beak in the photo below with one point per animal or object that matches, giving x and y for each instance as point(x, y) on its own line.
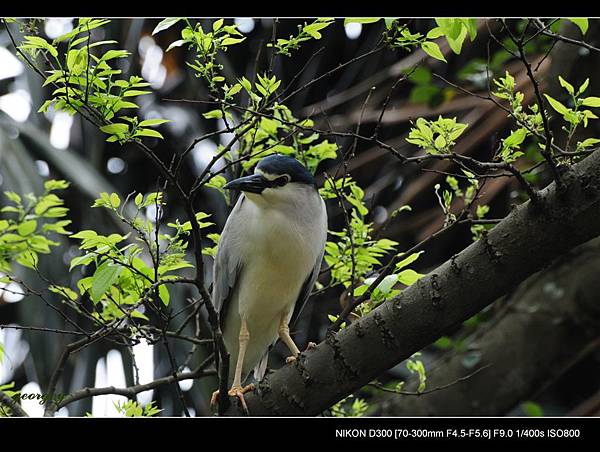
point(253, 184)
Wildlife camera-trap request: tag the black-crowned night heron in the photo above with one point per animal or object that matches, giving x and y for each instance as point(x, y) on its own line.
point(268, 260)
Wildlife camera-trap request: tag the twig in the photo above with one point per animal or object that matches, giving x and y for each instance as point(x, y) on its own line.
point(429, 391)
point(17, 410)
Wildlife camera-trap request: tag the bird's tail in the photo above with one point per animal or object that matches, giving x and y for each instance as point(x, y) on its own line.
point(261, 367)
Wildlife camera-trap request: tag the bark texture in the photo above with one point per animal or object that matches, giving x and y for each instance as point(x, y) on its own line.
point(528, 239)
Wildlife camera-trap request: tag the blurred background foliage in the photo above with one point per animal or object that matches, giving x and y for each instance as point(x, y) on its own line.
point(35, 147)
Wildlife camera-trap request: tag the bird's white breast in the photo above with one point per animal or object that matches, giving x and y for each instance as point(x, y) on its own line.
point(279, 254)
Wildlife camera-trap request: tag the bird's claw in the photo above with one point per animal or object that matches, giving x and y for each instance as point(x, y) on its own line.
point(310, 346)
point(235, 391)
point(291, 359)
point(238, 391)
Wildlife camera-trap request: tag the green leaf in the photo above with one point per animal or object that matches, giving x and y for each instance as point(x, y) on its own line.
point(177, 43)
point(471, 26)
point(560, 108)
point(591, 101)
point(53, 184)
point(139, 199)
point(166, 23)
point(163, 293)
point(435, 33)
point(246, 84)
point(86, 234)
point(234, 89)
point(111, 54)
point(153, 122)
point(389, 21)
point(115, 201)
point(443, 343)
point(135, 92)
point(440, 142)
point(408, 277)
point(213, 114)
point(64, 291)
point(516, 138)
point(360, 290)
point(582, 23)
point(232, 41)
point(456, 43)
point(217, 24)
point(588, 142)
point(452, 27)
point(409, 260)
point(86, 259)
point(583, 86)
point(566, 85)
point(148, 133)
point(40, 43)
point(14, 197)
point(532, 409)
point(433, 50)
point(104, 277)
point(27, 259)
point(27, 227)
point(116, 128)
point(420, 76)
point(387, 284)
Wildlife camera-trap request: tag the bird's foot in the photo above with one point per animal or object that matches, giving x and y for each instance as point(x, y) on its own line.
point(235, 391)
point(238, 391)
point(309, 347)
point(214, 399)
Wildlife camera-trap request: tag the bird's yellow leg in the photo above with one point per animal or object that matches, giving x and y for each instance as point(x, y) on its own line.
point(236, 388)
point(243, 338)
point(284, 334)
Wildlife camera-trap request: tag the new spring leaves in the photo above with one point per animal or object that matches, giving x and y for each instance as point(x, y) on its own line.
point(87, 80)
point(27, 229)
point(439, 136)
point(122, 279)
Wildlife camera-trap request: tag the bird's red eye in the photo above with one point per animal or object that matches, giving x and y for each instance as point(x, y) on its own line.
point(281, 181)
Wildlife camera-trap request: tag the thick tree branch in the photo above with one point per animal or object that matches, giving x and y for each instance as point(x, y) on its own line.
point(528, 239)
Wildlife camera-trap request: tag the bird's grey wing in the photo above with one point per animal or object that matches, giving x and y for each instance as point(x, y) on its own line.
point(226, 269)
point(306, 289)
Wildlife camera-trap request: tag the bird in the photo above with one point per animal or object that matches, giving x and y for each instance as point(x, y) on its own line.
point(268, 259)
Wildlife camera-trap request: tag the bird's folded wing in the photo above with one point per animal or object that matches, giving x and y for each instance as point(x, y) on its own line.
point(306, 289)
point(226, 270)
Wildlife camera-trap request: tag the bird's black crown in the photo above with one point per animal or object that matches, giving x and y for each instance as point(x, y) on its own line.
point(283, 164)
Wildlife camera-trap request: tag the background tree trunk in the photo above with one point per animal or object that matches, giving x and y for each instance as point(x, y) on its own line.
point(550, 322)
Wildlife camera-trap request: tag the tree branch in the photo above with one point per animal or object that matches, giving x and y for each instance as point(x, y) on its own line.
point(131, 391)
point(17, 410)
